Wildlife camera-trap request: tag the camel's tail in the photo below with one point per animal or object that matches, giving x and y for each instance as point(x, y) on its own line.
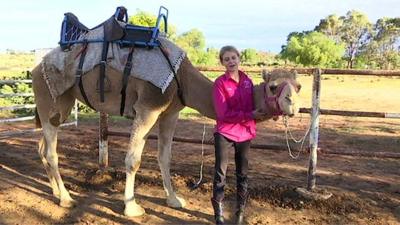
point(37, 119)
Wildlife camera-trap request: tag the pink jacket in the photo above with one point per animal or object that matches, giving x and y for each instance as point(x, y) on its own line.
point(233, 104)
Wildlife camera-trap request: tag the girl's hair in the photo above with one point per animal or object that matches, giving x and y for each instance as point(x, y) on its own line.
point(228, 48)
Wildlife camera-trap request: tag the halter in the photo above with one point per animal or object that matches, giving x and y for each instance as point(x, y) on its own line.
point(273, 100)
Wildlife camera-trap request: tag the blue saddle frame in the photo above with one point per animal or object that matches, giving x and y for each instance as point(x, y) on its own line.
point(72, 30)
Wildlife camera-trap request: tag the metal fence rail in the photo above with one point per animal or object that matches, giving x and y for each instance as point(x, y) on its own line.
point(25, 106)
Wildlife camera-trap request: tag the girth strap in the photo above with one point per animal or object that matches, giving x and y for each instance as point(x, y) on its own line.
point(180, 93)
point(127, 71)
point(103, 69)
point(78, 75)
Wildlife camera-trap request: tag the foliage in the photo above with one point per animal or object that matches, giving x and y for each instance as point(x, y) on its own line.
point(193, 42)
point(313, 49)
point(355, 33)
point(331, 26)
point(249, 57)
point(209, 57)
point(367, 45)
point(353, 29)
point(82, 108)
point(384, 49)
point(146, 19)
point(13, 89)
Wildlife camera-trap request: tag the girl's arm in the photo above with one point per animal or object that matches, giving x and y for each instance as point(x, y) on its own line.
point(224, 113)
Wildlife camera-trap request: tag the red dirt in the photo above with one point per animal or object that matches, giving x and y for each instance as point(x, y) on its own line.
point(365, 190)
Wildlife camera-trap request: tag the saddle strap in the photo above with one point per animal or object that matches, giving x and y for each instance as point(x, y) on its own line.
point(103, 69)
point(180, 92)
point(78, 75)
point(127, 72)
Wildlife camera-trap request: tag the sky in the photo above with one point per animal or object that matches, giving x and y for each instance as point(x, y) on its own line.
point(261, 24)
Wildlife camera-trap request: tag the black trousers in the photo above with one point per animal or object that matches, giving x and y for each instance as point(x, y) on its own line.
point(222, 146)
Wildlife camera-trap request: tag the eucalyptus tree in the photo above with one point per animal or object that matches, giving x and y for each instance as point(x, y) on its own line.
point(313, 49)
point(384, 48)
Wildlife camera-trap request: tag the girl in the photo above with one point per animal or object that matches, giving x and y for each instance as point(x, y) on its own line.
point(234, 107)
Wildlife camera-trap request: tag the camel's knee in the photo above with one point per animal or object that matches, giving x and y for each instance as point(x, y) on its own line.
point(52, 159)
point(55, 119)
point(58, 117)
point(132, 164)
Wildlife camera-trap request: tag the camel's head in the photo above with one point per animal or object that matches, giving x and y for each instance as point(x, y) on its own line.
point(281, 92)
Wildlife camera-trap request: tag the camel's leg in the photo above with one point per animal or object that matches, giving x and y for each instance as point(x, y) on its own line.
point(143, 122)
point(167, 125)
point(49, 158)
point(51, 114)
point(52, 179)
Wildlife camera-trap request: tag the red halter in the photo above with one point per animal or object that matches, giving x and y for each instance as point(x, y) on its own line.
point(270, 100)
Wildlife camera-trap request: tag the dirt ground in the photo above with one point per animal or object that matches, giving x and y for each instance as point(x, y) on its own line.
point(366, 190)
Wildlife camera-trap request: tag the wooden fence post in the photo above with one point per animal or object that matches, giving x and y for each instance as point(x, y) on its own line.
point(103, 140)
point(312, 168)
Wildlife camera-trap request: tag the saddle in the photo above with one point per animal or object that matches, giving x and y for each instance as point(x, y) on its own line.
point(127, 35)
point(116, 30)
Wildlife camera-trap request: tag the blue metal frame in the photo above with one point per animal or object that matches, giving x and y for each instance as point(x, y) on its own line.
point(153, 42)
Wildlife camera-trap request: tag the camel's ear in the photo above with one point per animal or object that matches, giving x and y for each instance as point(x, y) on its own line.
point(266, 75)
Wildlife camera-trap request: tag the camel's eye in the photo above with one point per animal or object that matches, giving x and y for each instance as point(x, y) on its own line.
point(273, 87)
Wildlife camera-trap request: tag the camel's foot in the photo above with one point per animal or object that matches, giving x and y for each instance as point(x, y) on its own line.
point(176, 202)
point(132, 209)
point(67, 203)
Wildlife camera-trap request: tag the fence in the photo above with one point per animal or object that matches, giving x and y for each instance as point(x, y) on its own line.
point(315, 111)
point(25, 106)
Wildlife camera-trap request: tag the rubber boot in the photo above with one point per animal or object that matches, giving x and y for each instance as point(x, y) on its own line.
point(218, 211)
point(240, 206)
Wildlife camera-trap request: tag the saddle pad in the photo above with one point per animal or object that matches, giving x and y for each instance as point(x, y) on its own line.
point(59, 67)
point(147, 64)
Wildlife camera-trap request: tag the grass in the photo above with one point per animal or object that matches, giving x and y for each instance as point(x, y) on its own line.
point(15, 65)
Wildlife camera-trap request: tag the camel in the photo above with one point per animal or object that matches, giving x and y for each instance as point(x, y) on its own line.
point(149, 105)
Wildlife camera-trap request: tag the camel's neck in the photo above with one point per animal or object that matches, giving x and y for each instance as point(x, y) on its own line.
point(197, 92)
point(197, 89)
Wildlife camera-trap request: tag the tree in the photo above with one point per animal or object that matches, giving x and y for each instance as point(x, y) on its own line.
point(208, 57)
point(193, 42)
point(146, 19)
point(266, 58)
point(330, 26)
point(193, 38)
point(313, 49)
point(249, 56)
point(384, 50)
point(355, 33)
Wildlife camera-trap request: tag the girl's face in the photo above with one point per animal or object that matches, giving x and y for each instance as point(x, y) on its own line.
point(231, 61)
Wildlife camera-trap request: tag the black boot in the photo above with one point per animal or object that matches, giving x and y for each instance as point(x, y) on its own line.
point(218, 211)
point(241, 205)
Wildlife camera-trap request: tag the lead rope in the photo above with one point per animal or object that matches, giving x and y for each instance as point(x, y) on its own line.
point(197, 184)
point(302, 140)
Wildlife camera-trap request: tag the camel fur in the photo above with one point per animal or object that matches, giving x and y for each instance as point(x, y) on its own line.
point(147, 105)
